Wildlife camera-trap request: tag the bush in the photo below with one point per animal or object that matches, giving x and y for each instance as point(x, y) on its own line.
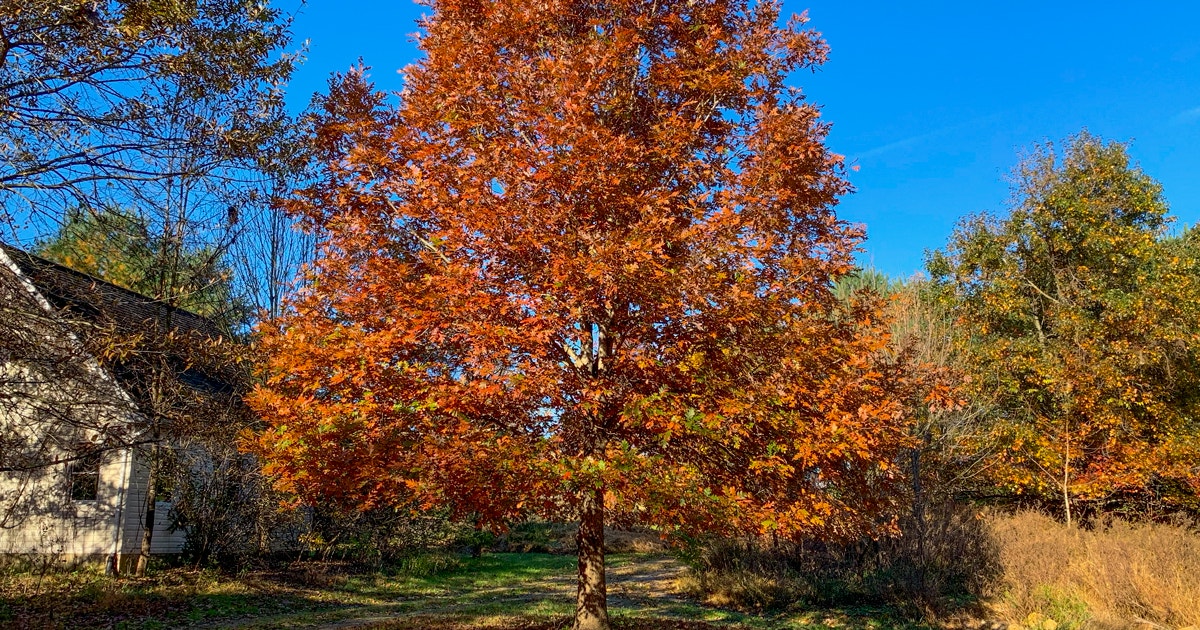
point(747, 575)
point(228, 509)
point(942, 558)
point(538, 536)
point(944, 554)
point(381, 537)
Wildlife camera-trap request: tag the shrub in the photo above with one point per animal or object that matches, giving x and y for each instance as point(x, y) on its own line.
point(380, 537)
point(539, 536)
point(942, 557)
point(228, 509)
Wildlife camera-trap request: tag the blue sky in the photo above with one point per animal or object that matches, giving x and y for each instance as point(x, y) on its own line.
point(933, 101)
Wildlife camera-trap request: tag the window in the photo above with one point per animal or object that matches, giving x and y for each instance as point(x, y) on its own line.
point(84, 474)
point(164, 485)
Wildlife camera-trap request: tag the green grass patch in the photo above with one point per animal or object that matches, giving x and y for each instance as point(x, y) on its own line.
point(503, 590)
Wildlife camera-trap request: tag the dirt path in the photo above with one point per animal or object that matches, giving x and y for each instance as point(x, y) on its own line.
point(645, 584)
point(649, 580)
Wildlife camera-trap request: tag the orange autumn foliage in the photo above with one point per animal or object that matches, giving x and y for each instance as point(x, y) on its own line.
point(584, 268)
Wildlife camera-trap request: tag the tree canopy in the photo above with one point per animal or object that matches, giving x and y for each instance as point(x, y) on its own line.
point(584, 268)
point(1077, 318)
point(170, 111)
point(99, 93)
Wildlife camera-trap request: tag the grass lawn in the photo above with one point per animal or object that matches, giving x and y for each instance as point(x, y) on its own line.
point(527, 591)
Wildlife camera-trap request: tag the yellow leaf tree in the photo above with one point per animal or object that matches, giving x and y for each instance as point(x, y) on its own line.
point(1075, 316)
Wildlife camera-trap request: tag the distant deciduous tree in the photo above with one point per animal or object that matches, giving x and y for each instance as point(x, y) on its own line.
point(1076, 318)
point(93, 93)
point(172, 112)
point(585, 269)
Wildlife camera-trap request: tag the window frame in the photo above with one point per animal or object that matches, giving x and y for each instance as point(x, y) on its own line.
point(93, 460)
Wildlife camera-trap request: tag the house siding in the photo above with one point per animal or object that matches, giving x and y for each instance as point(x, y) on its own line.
point(43, 520)
point(163, 540)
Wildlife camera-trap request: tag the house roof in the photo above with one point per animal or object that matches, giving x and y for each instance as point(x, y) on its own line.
point(95, 299)
point(88, 299)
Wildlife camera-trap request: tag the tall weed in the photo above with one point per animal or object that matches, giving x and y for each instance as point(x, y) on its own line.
point(1113, 575)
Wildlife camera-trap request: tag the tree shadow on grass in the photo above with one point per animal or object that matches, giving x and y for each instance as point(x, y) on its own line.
point(517, 591)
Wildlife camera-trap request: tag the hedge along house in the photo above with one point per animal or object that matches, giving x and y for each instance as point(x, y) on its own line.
point(94, 382)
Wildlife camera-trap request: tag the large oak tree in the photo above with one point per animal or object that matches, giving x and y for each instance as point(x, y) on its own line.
point(584, 268)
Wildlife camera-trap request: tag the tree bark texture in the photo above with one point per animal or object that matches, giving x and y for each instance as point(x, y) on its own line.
point(591, 610)
point(1066, 479)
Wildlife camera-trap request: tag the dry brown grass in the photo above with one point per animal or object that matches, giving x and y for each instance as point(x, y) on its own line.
point(743, 589)
point(1119, 575)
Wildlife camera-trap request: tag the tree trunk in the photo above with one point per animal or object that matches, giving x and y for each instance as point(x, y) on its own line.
point(918, 512)
point(151, 497)
point(591, 610)
point(477, 542)
point(1066, 487)
point(1066, 491)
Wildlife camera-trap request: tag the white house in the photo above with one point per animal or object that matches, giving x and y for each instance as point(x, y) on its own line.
point(73, 442)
